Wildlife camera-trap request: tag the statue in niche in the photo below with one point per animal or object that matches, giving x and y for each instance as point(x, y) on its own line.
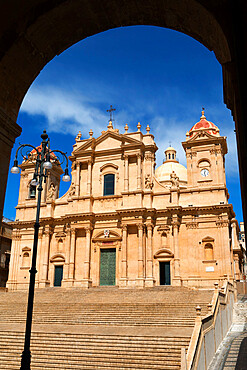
point(51, 192)
point(148, 182)
point(174, 179)
point(72, 190)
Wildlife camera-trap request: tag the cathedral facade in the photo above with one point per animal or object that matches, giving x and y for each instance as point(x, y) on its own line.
point(124, 222)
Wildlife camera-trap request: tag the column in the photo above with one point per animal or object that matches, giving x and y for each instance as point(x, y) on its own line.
point(140, 280)
point(139, 182)
point(126, 172)
point(176, 250)
point(77, 185)
point(87, 254)
point(45, 260)
point(123, 279)
point(72, 256)
point(11, 283)
point(233, 257)
point(89, 177)
point(149, 256)
point(67, 255)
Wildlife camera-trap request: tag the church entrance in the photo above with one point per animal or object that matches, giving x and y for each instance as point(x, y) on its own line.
point(108, 266)
point(165, 277)
point(58, 276)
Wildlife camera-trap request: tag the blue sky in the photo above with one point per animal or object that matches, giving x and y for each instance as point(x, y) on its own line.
point(153, 75)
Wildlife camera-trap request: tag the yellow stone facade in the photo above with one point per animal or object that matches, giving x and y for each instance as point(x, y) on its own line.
point(168, 225)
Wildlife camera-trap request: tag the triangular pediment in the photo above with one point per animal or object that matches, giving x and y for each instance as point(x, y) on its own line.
point(202, 135)
point(108, 140)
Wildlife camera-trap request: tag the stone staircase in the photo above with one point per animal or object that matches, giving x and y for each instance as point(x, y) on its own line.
point(100, 328)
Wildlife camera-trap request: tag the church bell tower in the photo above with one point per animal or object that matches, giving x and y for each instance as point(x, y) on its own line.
point(205, 152)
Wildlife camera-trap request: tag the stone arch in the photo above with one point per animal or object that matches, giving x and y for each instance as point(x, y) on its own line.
point(113, 236)
point(204, 163)
point(35, 33)
point(164, 254)
point(208, 251)
point(57, 258)
point(54, 27)
point(26, 257)
point(108, 165)
point(208, 246)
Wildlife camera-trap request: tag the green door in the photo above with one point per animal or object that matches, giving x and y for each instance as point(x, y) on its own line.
point(165, 278)
point(58, 275)
point(108, 266)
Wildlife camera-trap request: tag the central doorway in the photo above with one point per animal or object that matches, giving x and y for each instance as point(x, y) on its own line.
point(58, 277)
point(165, 275)
point(108, 266)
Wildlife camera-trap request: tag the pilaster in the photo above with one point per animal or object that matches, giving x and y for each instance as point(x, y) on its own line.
point(45, 258)
point(149, 282)
point(72, 257)
point(140, 279)
point(124, 272)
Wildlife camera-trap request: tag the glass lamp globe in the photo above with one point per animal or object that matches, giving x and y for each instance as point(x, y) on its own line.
point(34, 182)
point(48, 165)
point(66, 178)
point(15, 170)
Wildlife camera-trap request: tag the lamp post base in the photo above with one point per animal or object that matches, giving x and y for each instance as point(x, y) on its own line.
point(25, 360)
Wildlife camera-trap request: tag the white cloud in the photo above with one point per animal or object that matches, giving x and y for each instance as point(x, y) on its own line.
point(65, 111)
point(70, 111)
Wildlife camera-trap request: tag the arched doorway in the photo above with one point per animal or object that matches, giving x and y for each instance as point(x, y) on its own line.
point(33, 34)
point(164, 266)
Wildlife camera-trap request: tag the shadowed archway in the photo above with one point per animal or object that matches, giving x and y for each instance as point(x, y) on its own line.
point(33, 33)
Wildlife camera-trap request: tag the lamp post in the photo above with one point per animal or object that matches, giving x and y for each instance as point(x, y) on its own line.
point(42, 160)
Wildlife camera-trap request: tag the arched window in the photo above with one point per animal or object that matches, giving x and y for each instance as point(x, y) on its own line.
point(32, 192)
point(169, 156)
point(172, 156)
point(209, 252)
point(109, 184)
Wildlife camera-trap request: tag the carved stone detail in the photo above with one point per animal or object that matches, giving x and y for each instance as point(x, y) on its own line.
point(148, 182)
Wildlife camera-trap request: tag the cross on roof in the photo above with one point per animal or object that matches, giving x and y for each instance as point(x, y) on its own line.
point(110, 111)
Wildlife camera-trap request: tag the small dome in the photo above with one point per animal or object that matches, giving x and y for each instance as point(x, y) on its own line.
point(170, 154)
point(203, 124)
point(171, 164)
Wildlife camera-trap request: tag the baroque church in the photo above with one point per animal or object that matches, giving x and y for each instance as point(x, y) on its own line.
point(125, 222)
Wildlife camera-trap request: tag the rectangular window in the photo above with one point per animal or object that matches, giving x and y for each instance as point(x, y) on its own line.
point(109, 182)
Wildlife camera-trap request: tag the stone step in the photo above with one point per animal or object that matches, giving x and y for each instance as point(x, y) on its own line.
point(114, 315)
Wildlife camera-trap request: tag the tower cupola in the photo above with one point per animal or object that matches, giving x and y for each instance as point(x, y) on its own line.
point(171, 155)
point(204, 125)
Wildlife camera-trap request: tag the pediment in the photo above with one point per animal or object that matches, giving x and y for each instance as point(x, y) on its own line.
point(60, 234)
point(57, 258)
point(208, 239)
point(106, 235)
point(163, 253)
point(26, 249)
point(108, 140)
point(88, 145)
point(202, 134)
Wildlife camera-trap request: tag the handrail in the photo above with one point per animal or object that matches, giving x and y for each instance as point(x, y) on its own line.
point(205, 324)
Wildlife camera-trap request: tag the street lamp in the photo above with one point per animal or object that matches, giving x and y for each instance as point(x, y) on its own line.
point(42, 160)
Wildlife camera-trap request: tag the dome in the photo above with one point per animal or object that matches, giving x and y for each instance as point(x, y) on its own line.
point(163, 172)
point(203, 124)
point(171, 164)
